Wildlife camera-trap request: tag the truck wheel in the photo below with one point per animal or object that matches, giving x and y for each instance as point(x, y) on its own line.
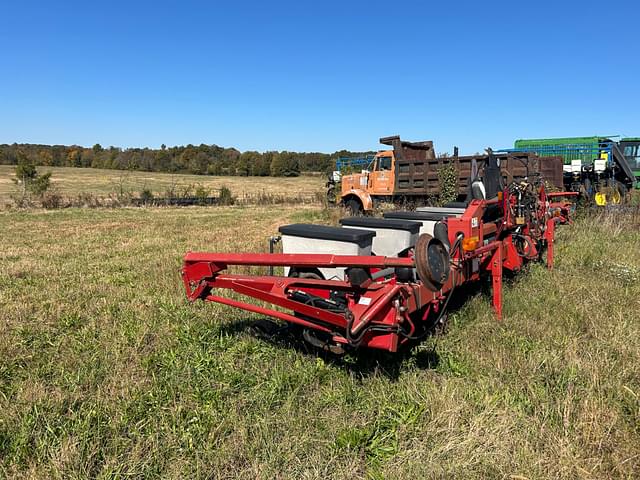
point(600, 198)
point(354, 207)
point(587, 190)
point(619, 192)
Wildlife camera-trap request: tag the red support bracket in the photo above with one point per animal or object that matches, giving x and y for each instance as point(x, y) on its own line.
point(268, 312)
point(549, 235)
point(496, 280)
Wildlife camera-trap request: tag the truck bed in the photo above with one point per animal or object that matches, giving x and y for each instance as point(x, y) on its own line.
point(416, 167)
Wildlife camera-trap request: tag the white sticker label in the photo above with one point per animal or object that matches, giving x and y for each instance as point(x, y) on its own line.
point(364, 301)
point(474, 222)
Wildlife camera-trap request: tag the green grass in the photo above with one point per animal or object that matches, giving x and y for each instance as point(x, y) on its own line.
point(69, 181)
point(108, 372)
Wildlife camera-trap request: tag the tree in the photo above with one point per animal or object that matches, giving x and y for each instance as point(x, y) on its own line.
point(241, 167)
point(285, 164)
point(25, 169)
point(45, 157)
point(41, 183)
point(246, 163)
point(261, 165)
point(87, 157)
point(27, 176)
point(197, 162)
point(74, 158)
point(214, 168)
point(201, 159)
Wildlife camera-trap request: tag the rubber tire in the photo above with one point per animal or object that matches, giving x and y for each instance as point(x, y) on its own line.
point(305, 274)
point(431, 279)
point(622, 190)
point(588, 190)
point(299, 330)
point(354, 207)
point(294, 328)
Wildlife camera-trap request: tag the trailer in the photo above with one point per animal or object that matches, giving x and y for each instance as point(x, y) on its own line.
point(339, 295)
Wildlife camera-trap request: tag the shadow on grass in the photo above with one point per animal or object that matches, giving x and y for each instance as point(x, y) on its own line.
point(363, 362)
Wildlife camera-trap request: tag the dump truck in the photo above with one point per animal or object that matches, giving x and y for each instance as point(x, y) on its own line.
point(409, 174)
point(600, 168)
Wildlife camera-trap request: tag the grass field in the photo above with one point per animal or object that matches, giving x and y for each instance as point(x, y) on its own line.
point(73, 181)
point(108, 372)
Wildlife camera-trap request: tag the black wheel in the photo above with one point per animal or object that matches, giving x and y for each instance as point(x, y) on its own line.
point(587, 190)
point(619, 192)
point(305, 274)
point(432, 262)
point(354, 207)
point(319, 340)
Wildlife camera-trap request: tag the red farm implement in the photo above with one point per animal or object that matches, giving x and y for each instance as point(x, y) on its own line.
point(386, 301)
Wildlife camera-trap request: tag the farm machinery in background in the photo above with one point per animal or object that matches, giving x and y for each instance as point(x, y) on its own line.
point(601, 169)
point(384, 283)
point(409, 173)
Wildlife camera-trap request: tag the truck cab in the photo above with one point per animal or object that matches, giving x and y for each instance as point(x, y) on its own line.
point(631, 150)
point(376, 179)
point(380, 181)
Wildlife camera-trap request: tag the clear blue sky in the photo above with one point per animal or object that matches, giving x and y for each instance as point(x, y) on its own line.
point(317, 75)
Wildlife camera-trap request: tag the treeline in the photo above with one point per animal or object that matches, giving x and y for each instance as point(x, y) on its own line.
point(199, 160)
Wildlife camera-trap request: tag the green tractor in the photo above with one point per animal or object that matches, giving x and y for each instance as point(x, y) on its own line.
point(601, 169)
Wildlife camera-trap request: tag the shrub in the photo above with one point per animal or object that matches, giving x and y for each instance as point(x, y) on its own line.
point(226, 197)
point(633, 197)
point(184, 191)
point(51, 200)
point(201, 193)
point(146, 195)
point(448, 182)
point(87, 199)
point(27, 176)
point(40, 184)
point(25, 170)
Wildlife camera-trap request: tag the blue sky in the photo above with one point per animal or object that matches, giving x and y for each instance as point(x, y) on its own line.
point(317, 76)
